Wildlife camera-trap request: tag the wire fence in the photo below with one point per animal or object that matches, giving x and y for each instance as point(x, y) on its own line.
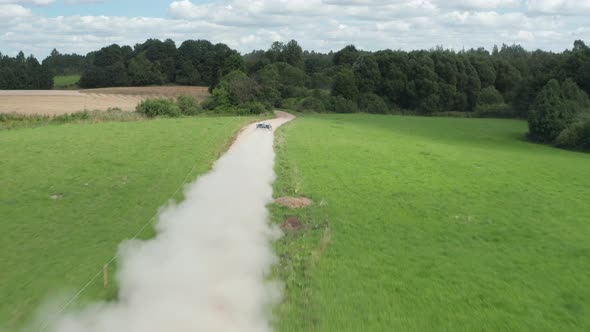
point(77, 295)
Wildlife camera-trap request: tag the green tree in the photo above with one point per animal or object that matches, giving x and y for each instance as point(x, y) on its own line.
point(485, 70)
point(346, 56)
point(372, 103)
point(507, 78)
point(293, 54)
point(345, 85)
point(187, 74)
point(577, 65)
point(142, 71)
point(423, 89)
point(343, 105)
point(234, 89)
point(490, 96)
point(555, 109)
point(394, 77)
point(367, 74)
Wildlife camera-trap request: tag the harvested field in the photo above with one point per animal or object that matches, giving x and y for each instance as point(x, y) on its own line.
point(161, 91)
point(55, 102)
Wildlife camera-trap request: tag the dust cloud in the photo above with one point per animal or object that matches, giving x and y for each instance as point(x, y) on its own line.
point(207, 268)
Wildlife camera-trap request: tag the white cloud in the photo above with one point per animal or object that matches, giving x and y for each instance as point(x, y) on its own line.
point(317, 24)
point(28, 2)
point(560, 7)
point(11, 10)
point(478, 4)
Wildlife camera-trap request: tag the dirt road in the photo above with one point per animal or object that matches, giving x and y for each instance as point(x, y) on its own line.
point(209, 262)
point(282, 118)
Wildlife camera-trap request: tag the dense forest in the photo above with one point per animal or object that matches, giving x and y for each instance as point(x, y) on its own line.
point(22, 72)
point(155, 62)
point(549, 89)
point(66, 64)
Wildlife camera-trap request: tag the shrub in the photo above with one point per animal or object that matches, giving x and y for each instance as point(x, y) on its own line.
point(189, 105)
point(209, 104)
point(252, 108)
point(343, 105)
point(295, 91)
point(158, 107)
point(289, 103)
point(494, 111)
point(555, 109)
point(311, 104)
point(372, 103)
point(577, 136)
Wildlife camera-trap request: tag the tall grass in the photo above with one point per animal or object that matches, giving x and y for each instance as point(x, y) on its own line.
point(431, 224)
point(15, 120)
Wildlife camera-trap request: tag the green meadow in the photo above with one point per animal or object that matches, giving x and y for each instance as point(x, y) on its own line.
point(71, 193)
point(431, 224)
point(66, 82)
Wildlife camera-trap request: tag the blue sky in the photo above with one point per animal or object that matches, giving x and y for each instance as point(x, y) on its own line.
point(80, 26)
point(152, 8)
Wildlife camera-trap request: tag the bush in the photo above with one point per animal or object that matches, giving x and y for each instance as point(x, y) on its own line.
point(372, 103)
point(209, 104)
point(158, 107)
point(343, 105)
point(311, 104)
point(577, 136)
point(289, 91)
point(252, 108)
point(494, 111)
point(289, 103)
point(189, 105)
point(555, 109)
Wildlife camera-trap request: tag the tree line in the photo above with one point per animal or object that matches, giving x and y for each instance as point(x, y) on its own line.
point(155, 62)
point(22, 72)
point(66, 64)
point(549, 89)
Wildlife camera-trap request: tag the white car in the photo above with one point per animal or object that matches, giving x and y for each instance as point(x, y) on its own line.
point(264, 125)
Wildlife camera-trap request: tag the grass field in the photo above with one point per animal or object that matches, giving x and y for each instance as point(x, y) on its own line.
point(71, 193)
point(66, 82)
point(432, 224)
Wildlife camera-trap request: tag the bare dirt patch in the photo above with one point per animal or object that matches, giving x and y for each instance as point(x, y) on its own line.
point(55, 102)
point(292, 224)
point(294, 202)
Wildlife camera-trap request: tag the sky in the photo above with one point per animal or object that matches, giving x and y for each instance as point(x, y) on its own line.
point(80, 26)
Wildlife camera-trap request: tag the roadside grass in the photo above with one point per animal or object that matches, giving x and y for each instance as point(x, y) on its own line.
point(16, 120)
point(19, 121)
point(431, 224)
point(71, 193)
point(66, 82)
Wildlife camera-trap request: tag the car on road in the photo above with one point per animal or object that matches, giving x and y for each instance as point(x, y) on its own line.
point(264, 125)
